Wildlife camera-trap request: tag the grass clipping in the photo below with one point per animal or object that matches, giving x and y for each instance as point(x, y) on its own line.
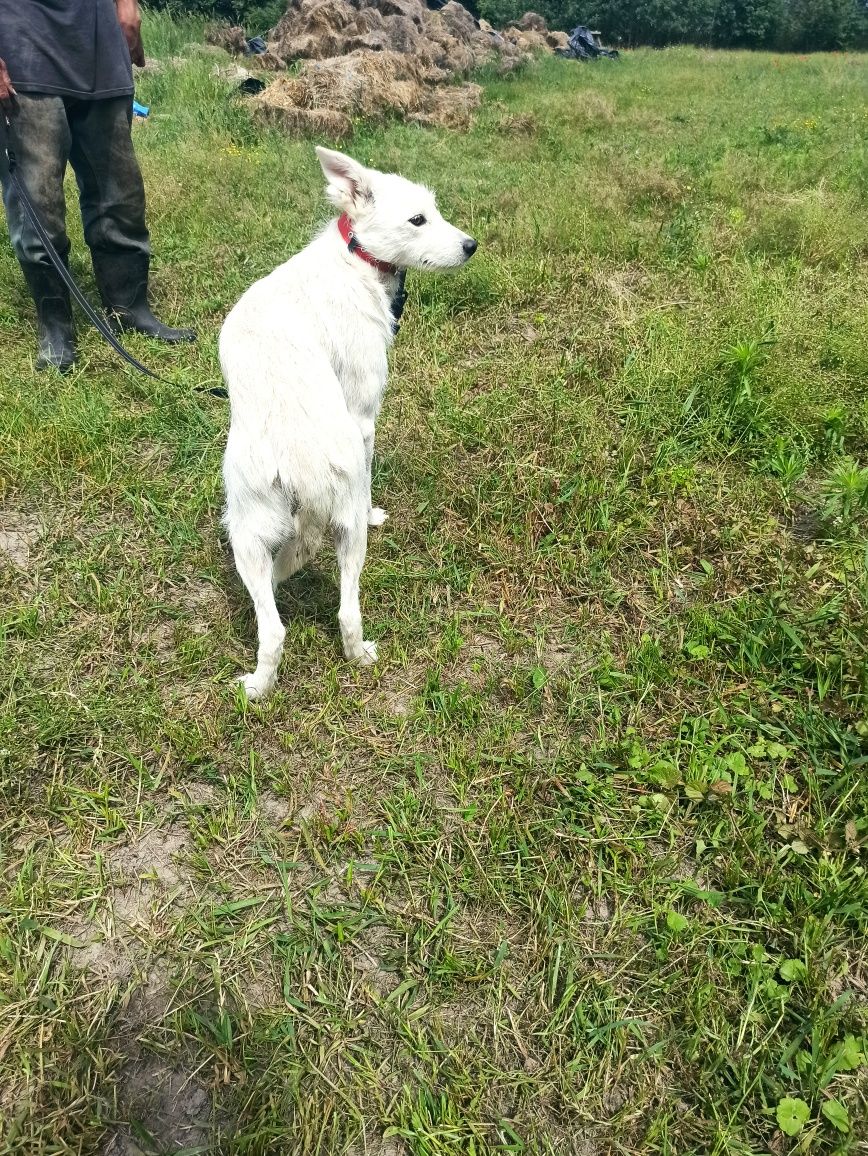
point(392, 58)
point(326, 96)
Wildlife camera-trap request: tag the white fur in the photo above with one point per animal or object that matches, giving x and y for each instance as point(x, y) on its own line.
point(304, 357)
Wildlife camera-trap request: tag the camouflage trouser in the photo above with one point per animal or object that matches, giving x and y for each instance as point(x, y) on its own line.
point(94, 137)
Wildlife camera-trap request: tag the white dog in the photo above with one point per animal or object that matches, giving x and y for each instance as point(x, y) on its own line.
point(304, 357)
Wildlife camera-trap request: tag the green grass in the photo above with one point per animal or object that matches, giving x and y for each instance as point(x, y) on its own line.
point(579, 868)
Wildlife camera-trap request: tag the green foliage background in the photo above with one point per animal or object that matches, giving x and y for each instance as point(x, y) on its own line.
point(785, 25)
point(782, 25)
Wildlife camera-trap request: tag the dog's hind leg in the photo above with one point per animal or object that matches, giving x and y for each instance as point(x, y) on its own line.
point(351, 542)
point(254, 565)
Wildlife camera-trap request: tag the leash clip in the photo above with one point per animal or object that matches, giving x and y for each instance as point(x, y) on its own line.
point(9, 152)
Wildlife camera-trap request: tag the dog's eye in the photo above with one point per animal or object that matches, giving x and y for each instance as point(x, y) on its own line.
point(417, 220)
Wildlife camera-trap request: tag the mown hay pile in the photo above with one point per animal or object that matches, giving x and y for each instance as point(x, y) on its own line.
point(449, 39)
point(326, 96)
point(531, 34)
point(376, 58)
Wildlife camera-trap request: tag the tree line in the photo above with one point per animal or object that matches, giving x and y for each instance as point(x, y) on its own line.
point(779, 25)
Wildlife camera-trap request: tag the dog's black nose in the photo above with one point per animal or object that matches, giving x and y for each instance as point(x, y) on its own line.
point(470, 246)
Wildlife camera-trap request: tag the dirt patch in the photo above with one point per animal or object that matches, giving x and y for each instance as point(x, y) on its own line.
point(555, 656)
point(158, 638)
point(133, 908)
point(374, 953)
point(395, 693)
point(19, 532)
point(107, 961)
point(481, 656)
point(174, 1108)
point(316, 804)
point(261, 991)
point(196, 608)
point(119, 1145)
point(151, 857)
point(807, 525)
point(149, 455)
point(599, 910)
point(201, 794)
point(397, 702)
point(151, 1000)
point(273, 809)
point(202, 606)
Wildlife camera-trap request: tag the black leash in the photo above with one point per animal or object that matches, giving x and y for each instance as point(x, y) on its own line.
point(96, 319)
point(398, 302)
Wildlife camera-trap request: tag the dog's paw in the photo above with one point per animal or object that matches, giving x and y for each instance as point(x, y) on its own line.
point(368, 654)
point(254, 688)
point(376, 517)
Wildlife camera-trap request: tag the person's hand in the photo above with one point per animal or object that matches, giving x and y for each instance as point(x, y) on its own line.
point(130, 20)
point(8, 95)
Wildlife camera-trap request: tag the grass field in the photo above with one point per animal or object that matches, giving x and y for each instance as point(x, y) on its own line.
point(579, 867)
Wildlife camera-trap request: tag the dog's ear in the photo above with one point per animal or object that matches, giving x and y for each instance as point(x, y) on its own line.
point(349, 183)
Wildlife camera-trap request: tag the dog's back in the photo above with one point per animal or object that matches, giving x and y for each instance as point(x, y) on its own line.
point(291, 432)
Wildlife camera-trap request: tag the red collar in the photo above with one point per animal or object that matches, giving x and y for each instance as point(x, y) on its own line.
point(345, 228)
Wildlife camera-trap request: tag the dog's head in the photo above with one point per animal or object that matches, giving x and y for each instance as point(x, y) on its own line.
point(395, 220)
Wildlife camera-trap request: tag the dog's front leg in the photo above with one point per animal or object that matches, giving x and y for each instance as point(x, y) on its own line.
point(376, 515)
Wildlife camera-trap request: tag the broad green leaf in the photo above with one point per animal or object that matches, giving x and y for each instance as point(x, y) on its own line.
point(697, 650)
point(850, 1056)
point(792, 970)
point(712, 898)
point(777, 751)
point(676, 922)
point(792, 1115)
point(664, 772)
point(836, 1114)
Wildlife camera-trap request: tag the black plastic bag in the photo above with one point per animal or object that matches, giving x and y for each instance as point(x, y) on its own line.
point(583, 46)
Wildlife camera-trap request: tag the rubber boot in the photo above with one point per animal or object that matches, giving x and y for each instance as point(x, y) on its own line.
point(53, 317)
point(122, 279)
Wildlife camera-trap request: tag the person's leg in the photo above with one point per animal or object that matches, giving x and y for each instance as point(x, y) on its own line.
point(39, 137)
point(112, 196)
